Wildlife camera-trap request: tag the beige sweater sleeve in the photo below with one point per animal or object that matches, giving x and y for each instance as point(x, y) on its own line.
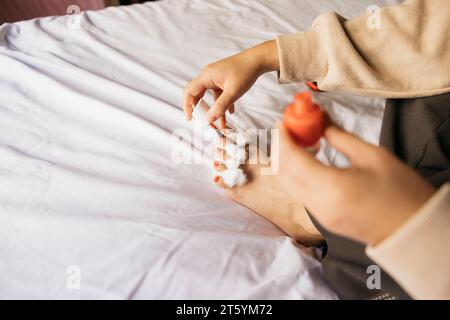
point(417, 255)
point(407, 56)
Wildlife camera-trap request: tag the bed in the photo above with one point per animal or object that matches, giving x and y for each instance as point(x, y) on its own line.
point(91, 207)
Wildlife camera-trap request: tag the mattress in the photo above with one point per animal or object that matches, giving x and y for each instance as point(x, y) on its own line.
point(91, 207)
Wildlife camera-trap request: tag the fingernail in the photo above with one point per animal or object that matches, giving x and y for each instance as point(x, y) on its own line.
point(216, 179)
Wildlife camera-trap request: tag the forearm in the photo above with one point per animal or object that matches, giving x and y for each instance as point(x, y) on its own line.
point(264, 56)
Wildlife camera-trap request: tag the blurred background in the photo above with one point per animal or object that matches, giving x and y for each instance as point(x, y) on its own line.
point(17, 10)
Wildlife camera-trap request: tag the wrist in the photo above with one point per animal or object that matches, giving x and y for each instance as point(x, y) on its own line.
point(413, 206)
point(264, 57)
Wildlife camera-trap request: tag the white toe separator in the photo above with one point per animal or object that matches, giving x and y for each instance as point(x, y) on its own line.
point(233, 177)
point(236, 152)
point(239, 138)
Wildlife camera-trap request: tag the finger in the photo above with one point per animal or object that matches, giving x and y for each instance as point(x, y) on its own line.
point(190, 109)
point(219, 167)
point(300, 163)
point(223, 122)
point(187, 107)
point(192, 93)
point(350, 145)
point(217, 92)
point(223, 119)
point(219, 182)
point(197, 99)
point(221, 105)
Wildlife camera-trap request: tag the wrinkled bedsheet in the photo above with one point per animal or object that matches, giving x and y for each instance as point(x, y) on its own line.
point(91, 205)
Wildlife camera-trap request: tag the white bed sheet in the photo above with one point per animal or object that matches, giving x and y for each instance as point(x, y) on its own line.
point(86, 182)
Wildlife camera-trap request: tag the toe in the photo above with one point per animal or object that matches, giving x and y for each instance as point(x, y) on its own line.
point(219, 182)
point(220, 155)
point(219, 167)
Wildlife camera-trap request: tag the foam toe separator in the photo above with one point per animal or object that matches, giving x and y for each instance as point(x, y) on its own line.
point(233, 177)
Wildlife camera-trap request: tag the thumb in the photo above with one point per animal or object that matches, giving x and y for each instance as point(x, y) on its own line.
point(350, 145)
point(223, 102)
point(301, 164)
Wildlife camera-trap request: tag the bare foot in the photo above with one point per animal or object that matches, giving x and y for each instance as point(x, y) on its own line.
point(263, 195)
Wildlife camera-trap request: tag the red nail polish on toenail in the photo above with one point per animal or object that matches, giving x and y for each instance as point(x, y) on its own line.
point(216, 179)
point(216, 163)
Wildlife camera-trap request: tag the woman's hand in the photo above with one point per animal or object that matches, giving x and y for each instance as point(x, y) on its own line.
point(230, 78)
point(367, 201)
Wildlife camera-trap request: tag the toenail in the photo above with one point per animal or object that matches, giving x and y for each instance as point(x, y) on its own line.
point(216, 179)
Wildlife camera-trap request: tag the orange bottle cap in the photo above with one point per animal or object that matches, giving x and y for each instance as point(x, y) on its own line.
point(305, 120)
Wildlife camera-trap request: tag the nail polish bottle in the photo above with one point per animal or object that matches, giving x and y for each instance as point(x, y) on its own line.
point(305, 121)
